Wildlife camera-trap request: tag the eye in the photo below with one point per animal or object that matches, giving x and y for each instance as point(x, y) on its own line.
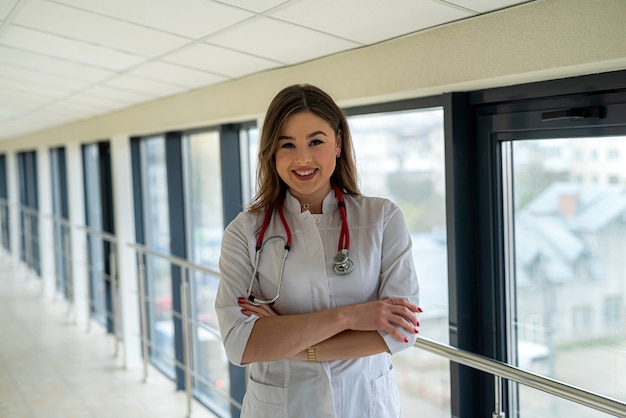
point(316, 142)
point(287, 145)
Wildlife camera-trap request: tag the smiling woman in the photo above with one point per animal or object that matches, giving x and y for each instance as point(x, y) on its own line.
point(324, 346)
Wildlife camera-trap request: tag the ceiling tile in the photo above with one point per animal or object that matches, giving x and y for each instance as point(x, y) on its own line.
point(219, 60)
point(175, 74)
point(38, 78)
point(484, 6)
point(62, 48)
point(96, 29)
point(51, 65)
point(280, 41)
point(116, 95)
point(371, 20)
point(45, 92)
point(142, 86)
point(5, 8)
point(191, 18)
point(257, 6)
point(93, 103)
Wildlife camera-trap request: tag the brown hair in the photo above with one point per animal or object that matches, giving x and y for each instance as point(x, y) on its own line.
point(289, 101)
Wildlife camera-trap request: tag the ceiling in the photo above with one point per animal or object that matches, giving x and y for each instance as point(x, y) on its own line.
point(67, 60)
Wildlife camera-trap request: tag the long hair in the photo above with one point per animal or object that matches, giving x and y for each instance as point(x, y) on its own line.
point(289, 101)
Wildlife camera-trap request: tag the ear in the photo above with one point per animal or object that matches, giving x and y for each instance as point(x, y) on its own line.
point(338, 142)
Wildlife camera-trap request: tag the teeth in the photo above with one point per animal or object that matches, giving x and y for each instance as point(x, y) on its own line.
point(304, 173)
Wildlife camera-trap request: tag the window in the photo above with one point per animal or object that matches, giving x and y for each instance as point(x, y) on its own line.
point(400, 156)
point(205, 229)
point(61, 229)
point(4, 206)
point(157, 237)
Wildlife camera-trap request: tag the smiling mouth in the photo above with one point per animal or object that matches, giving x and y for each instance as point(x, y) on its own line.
point(304, 173)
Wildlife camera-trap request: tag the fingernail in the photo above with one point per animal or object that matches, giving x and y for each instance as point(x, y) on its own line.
point(419, 309)
point(406, 340)
point(416, 330)
point(243, 310)
point(418, 323)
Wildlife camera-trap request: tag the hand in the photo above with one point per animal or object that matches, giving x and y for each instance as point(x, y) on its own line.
point(248, 309)
point(386, 315)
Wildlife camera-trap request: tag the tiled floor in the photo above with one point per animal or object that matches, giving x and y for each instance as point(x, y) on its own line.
point(52, 368)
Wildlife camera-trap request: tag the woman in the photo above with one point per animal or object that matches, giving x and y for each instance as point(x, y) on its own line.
point(322, 349)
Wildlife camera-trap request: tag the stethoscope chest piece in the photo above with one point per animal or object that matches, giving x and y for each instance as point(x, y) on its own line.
point(343, 265)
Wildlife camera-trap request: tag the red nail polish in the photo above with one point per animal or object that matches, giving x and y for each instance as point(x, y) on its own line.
point(416, 330)
point(418, 323)
point(406, 340)
point(419, 310)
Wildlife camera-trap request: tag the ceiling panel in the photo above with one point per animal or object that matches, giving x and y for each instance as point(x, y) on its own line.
point(115, 95)
point(484, 6)
point(175, 74)
point(96, 29)
point(37, 78)
point(143, 86)
point(257, 6)
point(220, 61)
point(52, 65)
point(191, 18)
point(64, 60)
point(5, 8)
point(281, 41)
point(373, 20)
point(71, 50)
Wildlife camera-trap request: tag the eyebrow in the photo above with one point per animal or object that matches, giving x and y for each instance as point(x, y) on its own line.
point(311, 135)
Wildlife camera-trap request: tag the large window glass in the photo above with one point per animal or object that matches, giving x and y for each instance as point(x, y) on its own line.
point(569, 215)
point(400, 156)
point(4, 205)
point(249, 138)
point(94, 215)
point(205, 228)
point(61, 226)
point(29, 206)
point(157, 237)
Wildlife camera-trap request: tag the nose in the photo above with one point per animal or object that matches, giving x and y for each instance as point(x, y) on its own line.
point(303, 155)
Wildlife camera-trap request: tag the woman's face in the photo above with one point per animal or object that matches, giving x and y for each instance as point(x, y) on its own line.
point(306, 156)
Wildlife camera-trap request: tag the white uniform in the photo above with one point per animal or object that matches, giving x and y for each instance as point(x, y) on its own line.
point(380, 248)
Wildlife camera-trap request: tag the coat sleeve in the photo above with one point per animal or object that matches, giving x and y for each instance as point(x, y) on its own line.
point(235, 272)
point(397, 275)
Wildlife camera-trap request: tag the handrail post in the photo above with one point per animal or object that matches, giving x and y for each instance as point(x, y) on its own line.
point(69, 286)
point(498, 412)
point(143, 315)
point(27, 236)
point(186, 343)
point(89, 281)
point(114, 301)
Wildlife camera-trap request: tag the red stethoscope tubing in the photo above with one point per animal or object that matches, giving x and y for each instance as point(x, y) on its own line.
point(343, 265)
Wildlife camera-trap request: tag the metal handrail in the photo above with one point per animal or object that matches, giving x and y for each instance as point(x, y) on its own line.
point(184, 265)
point(174, 259)
point(535, 381)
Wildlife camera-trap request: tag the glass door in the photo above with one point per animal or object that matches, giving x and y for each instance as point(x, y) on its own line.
point(568, 219)
point(560, 196)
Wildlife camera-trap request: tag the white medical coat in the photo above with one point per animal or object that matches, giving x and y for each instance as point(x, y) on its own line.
point(380, 247)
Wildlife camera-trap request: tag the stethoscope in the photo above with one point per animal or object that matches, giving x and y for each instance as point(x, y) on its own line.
point(342, 263)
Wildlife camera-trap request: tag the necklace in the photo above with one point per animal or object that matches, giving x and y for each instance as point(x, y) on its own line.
point(306, 206)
